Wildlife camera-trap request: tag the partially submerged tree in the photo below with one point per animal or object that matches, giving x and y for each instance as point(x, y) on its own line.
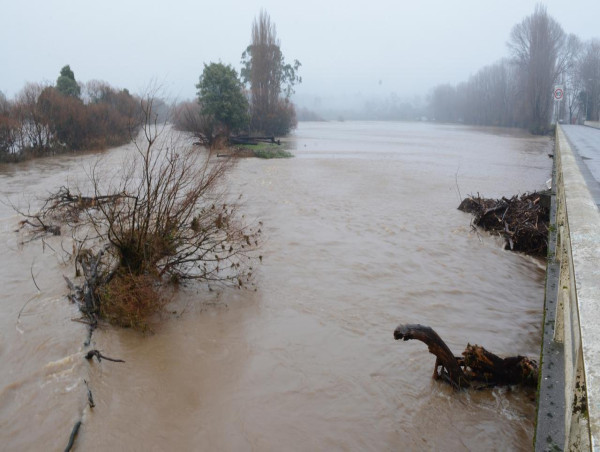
point(223, 106)
point(164, 217)
point(42, 120)
point(271, 80)
point(188, 117)
point(33, 132)
point(8, 129)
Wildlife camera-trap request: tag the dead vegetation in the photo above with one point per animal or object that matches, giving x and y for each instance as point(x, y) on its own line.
point(164, 217)
point(522, 221)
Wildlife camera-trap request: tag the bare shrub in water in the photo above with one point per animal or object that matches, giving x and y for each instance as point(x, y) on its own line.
point(128, 300)
point(166, 219)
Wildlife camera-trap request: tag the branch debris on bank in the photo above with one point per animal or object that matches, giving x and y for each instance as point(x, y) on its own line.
point(522, 221)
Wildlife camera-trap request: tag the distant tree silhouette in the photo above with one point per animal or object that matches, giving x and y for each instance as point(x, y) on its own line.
point(537, 45)
point(66, 83)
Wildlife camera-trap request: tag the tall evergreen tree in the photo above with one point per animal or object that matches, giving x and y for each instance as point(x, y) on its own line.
point(66, 83)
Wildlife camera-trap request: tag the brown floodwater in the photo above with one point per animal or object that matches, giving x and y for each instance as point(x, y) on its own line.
point(361, 233)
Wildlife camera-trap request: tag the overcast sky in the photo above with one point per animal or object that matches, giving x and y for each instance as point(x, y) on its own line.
point(347, 48)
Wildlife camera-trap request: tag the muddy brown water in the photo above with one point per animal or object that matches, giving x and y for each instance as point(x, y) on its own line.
point(361, 233)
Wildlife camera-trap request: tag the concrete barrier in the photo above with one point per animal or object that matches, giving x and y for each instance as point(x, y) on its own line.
point(576, 327)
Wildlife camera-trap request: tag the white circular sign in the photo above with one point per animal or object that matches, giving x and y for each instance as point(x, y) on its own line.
point(558, 93)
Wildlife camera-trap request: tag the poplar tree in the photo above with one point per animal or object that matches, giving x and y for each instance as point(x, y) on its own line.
point(271, 79)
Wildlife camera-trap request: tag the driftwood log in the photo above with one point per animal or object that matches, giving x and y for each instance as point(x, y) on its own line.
point(73, 436)
point(446, 365)
point(476, 368)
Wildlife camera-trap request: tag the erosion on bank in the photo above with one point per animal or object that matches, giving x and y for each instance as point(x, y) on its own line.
point(522, 221)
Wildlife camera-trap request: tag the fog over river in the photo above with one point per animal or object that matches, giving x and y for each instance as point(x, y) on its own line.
point(361, 233)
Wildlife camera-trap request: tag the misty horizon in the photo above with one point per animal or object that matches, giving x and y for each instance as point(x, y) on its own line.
point(350, 55)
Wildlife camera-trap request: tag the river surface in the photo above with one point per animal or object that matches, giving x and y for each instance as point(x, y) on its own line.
point(361, 233)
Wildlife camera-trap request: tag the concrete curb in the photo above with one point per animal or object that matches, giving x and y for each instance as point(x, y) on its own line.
point(579, 239)
point(550, 422)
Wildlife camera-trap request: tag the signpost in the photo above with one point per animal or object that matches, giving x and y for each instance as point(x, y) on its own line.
point(559, 92)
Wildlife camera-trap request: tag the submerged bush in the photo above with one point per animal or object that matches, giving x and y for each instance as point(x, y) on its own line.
point(163, 218)
point(129, 300)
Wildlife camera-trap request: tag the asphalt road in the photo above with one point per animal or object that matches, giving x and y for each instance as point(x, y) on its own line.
point(585, 142)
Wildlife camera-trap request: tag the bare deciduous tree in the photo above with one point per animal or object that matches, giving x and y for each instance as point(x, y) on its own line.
point(34, 131)
point(488, 98)
point(537, 45)
point(188, 117)
point(570, 79)
point(8, 129)
point(589, 77)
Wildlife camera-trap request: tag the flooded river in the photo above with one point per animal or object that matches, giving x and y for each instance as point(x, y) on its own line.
point(361, 233)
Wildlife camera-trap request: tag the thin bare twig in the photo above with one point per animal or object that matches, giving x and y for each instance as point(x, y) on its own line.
point(456, 181)
point(99, 356)
point(73, 436)
point(33, 277)
point(26, 303)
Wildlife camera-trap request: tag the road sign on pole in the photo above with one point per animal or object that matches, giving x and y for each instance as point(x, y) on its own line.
point(559, 92)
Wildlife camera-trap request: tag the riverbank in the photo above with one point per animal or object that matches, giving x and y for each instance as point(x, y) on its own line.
point(260, 150)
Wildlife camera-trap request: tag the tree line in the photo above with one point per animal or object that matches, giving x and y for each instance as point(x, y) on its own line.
point(255, 102)
point(46, 119)
point(517, 91)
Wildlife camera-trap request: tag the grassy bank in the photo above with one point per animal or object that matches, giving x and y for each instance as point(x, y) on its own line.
point(263, 151)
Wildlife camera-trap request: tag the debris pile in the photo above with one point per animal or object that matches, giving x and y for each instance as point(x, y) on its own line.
point(522, 221)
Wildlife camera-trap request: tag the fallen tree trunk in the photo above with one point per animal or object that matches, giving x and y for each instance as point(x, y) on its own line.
point(446, 365)
point(476, 364)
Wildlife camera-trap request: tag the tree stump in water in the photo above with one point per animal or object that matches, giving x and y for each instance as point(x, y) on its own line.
point(476, 364)
point(446, 365)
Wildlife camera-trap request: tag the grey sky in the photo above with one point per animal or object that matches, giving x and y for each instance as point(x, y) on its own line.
point(346, 47)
